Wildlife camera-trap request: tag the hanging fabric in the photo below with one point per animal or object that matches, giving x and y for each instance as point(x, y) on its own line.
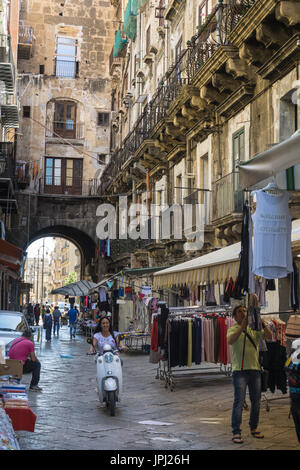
point(294, 283)
point(242, 284)
point(272, 254)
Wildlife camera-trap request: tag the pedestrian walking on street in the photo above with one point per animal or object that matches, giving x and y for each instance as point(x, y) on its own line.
point(37, 313)
point(48, 324)
point(247, 376)
point(29, 314)
point(72, 315)
point(43, 311)
point(56, 320)
point(23, 350)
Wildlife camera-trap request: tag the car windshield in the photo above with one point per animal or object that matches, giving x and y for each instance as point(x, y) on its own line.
point(12, 323)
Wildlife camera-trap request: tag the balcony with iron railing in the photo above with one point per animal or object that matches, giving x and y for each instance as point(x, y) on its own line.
point(7, 65)
point(200, 202)
point(201, 49)
point(72, 187)
point(227, 197)
point(113, 62)
point(7, 163)
point(25, 41)
point(57, 131)
point(66, 68)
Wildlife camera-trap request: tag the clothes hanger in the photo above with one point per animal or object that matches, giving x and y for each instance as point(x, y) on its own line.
point(272, 188)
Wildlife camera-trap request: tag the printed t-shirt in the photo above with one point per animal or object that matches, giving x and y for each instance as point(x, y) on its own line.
point(20, 349)
point(251, 361)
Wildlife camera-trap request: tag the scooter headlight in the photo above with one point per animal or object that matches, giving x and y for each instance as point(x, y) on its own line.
point(109, 357)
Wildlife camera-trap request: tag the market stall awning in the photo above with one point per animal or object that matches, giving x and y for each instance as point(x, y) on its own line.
point(274, 160)
point(142, 271)
point(130, 272)
point(11, 258)
point(216, 266)
point(79, 288)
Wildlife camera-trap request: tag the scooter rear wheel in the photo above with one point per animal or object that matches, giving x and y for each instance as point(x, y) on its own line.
point(112, 403)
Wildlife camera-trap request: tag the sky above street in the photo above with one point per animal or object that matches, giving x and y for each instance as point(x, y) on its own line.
point(36, 248)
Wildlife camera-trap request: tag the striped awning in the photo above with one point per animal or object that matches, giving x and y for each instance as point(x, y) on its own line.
point(217, 266)
point(79, 288)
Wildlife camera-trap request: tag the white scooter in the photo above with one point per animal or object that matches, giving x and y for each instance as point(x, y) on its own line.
point(109, 377)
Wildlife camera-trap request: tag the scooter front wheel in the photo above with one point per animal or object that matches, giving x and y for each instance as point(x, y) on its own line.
point(112, 403)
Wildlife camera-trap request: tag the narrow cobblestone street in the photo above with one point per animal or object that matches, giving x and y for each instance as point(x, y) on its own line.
point(69, 416)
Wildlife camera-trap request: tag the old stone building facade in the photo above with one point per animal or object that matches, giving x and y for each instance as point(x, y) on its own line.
point(64, 93)
point(64, 260)
point(198, 87)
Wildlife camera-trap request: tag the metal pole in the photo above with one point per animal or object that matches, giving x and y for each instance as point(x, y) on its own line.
point(37, 284)
point(42, 296)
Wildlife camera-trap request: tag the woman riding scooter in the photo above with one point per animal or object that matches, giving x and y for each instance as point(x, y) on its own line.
point(104, 334)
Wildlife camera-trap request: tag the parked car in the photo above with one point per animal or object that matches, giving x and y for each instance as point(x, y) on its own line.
point(12, 326)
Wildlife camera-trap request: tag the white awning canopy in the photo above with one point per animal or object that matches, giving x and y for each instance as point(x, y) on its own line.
point(274, 160)
point(217, 266)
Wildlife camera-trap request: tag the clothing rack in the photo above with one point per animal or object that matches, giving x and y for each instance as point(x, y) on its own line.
point(168, 373)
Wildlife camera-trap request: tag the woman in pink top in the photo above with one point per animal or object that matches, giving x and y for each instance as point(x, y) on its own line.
point(22, 349)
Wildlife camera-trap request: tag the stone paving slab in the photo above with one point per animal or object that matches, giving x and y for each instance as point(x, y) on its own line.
point(70, 417)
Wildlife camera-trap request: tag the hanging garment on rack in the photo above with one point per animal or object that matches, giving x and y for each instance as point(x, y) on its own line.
point(272, 254)
point(242, 284)
point(208, 340)
point(228, 290)
point(154, 353)
point(190, 343)
point(260, 290)
point(198, 340)
point(210, 298)
point(216, 339)
point(294, 283)
point(276, 367)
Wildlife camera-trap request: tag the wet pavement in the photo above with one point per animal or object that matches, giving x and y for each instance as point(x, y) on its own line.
point(197, 413)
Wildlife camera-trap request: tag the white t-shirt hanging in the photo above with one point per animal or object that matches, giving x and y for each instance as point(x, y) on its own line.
point(272, 252)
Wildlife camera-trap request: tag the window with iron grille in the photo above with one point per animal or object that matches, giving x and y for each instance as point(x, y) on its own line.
point(103, 119)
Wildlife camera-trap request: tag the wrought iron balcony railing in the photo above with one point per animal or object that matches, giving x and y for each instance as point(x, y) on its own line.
point(25, 34)
point(7, 163)
point(224, 18)
point(73, 187)
point(228, 198)
point(68, 129)
point(7, 65)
